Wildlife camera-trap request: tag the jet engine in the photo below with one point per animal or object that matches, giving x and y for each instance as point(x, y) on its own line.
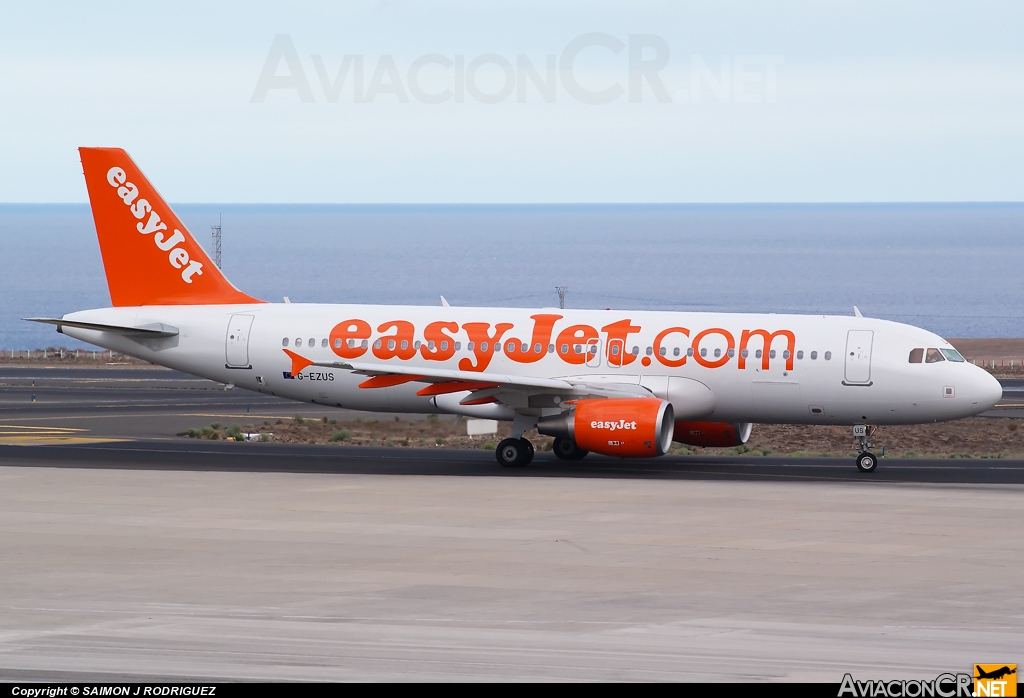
point(623, 427)
point(712, 433)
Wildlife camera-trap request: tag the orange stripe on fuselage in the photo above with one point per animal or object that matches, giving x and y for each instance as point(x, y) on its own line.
point(298, 362)
point(388, 381)
point(479, 401)
point(454, 387)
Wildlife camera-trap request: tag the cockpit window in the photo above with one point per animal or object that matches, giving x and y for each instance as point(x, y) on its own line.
point(916, 356)
point(934, 356)
point(952, 355)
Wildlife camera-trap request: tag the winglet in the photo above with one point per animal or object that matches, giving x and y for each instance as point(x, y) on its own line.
point(856, 312)
point(444, 302)
point(298, 362)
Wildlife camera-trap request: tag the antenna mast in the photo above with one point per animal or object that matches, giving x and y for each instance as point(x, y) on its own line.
point(216, 239)
point(561, 295)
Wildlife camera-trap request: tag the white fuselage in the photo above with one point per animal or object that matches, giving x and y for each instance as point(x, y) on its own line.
point(859, 372)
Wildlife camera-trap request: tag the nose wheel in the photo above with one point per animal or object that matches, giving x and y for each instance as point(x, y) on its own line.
point(866, 460)
point(514, 453)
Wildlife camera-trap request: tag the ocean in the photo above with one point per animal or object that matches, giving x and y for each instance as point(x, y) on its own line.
point(954, 269)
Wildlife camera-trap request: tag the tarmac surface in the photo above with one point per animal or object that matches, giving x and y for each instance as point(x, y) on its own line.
point(132, 554)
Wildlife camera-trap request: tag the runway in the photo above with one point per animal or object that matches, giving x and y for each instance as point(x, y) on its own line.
point(153, 557)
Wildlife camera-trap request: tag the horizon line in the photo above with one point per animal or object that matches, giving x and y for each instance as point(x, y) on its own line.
point(966, 202)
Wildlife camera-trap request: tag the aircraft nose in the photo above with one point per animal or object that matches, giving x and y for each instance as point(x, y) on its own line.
point(988, 391)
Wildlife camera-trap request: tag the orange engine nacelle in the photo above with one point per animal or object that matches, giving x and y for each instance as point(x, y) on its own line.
point(712, 433)
point(623, 427)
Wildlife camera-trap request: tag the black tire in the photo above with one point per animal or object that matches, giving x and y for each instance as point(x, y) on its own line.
point(867, 462)
point(527, 451)
point(566, 449)
point(511, 453)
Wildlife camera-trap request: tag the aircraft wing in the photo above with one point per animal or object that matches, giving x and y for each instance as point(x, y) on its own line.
point(484, 386)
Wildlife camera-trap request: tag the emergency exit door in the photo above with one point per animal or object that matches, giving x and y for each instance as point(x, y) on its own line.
point(237, 341)
point(858, 356)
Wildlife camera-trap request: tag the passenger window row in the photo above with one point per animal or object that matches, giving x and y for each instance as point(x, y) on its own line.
point(592, 349)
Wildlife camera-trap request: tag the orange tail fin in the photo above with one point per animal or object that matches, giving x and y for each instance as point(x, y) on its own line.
point(150, 258)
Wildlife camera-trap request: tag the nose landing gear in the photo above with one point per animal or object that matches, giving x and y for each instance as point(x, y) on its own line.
point(866, 460)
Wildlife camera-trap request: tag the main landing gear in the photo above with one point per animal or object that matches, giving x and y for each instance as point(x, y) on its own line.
point(517, 453)
point(866, 460)
point(514, 453)
point(566, 449)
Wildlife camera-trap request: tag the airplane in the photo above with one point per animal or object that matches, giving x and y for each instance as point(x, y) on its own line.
point(613, 382)
point(995, 674)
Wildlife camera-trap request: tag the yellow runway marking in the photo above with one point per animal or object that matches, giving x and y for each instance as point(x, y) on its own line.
point(38, 440)
point(10, 433)
point(5, 428)
point(27, 435)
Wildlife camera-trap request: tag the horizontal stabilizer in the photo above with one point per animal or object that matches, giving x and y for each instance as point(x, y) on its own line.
point(154, 330)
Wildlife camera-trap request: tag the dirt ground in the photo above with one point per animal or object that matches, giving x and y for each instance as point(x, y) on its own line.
point(977, 437)
point(1000, 351)
point(52, 357)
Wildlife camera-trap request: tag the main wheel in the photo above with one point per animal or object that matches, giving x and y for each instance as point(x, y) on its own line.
point(566, 449)
point(512, 453)
point(867, 462)
point(528, 451)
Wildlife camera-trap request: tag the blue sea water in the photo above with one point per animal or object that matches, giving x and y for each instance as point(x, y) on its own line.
point(954, 269)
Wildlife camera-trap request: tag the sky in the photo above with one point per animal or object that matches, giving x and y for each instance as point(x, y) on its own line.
point(453, 102)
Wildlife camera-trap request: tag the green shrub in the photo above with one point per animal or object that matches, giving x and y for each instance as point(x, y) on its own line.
point(195, 433)
point(208, 431)
point(440, 441)
point(239, 437)
point(215, 425)
point(264, 438)
point(298, 419)
point(341, 435)
point(233, 431)
point(215, 435)
point(488, 445)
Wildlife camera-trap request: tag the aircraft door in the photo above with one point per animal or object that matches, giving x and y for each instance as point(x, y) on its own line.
point(594, 353)
point(858, 356)
point(616, 348)
point(237, 341)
